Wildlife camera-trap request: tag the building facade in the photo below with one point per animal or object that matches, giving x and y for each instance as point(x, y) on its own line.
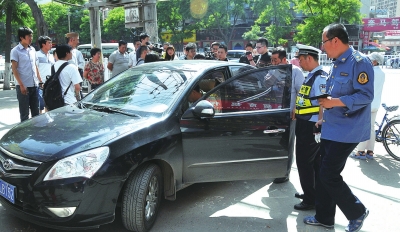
point(390, 8)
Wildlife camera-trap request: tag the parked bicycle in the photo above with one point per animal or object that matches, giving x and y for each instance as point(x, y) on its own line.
point(390, 134)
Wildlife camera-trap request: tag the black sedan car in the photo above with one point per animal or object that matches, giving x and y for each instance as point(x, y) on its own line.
point(142, 136)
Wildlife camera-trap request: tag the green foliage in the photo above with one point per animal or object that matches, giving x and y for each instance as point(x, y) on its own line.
point(276, 17)
point(224, 16)
point(114, 26)
point(84, 35)
point(321, 13)
point(172, 16)
point(21, 16)
point(180, 17)
point(253, 34)
point(56, 17)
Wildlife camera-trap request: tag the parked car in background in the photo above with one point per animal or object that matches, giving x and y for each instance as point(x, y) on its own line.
point(142, 136)
point(106, 49)
point(234, 55)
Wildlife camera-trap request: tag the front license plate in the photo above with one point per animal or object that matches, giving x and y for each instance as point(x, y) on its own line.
point(7, 191)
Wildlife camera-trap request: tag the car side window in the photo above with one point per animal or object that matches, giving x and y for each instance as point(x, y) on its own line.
point(265, 89)
point(235, 70)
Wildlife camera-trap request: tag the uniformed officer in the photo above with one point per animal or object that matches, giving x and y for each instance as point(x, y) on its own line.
point(345, 123)
point(306, 112)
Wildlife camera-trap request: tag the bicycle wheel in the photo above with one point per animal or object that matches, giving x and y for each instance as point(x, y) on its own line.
point(391, 138)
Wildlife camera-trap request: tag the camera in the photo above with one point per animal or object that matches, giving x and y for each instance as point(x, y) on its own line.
point(154, 47)
point(210, 55)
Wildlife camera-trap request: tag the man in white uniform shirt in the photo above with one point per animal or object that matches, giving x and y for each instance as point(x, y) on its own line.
point(69, 76)
point(44, 62)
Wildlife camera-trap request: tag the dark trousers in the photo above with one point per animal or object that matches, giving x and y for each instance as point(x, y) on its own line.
point(307, 158)
point(28, 101)
point(330, 187)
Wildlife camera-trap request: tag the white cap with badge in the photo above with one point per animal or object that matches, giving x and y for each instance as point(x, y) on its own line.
point(307, 50)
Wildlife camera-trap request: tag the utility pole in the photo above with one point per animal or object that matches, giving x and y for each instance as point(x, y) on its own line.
point(138, 14)
point(95, 30)
point(69, 21)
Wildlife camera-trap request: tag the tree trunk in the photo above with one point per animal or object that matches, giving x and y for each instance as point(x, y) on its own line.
point(7, 67)
point(41, 25)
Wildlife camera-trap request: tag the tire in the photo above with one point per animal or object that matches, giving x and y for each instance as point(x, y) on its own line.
point(391, 141)
point(141, 198)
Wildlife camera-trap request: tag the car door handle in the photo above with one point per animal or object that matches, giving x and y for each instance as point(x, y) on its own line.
point(274, 131)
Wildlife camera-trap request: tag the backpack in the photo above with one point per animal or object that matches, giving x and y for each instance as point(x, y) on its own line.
point(52, 91)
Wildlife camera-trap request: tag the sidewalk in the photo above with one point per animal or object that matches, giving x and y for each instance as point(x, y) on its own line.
point(9, 113)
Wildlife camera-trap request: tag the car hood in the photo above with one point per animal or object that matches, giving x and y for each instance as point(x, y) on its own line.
point(67, 131)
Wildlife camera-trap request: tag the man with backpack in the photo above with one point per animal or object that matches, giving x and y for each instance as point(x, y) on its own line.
point(69, 79)
point(44, 62)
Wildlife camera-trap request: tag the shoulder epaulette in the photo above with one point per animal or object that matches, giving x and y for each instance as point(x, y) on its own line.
point(356, 54)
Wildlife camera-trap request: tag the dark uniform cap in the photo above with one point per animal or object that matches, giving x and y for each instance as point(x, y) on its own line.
point(307, 50)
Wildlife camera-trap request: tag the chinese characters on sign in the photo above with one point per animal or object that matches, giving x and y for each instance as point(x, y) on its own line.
point(381, 24)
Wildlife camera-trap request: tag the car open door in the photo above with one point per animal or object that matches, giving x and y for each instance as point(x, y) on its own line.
point(251, 134)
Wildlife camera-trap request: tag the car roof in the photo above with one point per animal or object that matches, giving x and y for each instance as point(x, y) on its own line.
point(189, 65)
point(104, 45)
point(236, 50)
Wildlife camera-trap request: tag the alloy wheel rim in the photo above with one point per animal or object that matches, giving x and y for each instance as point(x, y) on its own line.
point(151, 198)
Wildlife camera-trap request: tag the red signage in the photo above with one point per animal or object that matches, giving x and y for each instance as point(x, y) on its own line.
point(381, 24)
point(392, 33)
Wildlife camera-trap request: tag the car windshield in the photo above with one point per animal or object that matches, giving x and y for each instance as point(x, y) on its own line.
point(141, 90)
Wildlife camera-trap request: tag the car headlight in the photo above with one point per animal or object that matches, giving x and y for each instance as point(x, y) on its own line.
point(84, 164)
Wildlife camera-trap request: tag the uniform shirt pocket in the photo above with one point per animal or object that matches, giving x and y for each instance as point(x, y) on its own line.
point(343, 85)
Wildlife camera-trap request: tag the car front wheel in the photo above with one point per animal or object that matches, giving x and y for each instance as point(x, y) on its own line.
point(142, 198)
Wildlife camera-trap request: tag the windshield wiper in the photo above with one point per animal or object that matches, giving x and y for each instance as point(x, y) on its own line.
point(113, 110)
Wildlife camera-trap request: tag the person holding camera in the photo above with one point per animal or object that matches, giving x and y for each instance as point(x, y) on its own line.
point(264, 59)
point(249, 50)
point(144, 39)
point(214, 49)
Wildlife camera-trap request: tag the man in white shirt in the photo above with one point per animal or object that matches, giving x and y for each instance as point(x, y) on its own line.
point(44, 62)
point(69, 76)
point(132, 56)
point(23, 60)
point(118, 60)
point(72, 39)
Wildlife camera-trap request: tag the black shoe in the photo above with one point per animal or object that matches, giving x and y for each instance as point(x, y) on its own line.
point(281, 180)
point(303, 206)
point(298, 195)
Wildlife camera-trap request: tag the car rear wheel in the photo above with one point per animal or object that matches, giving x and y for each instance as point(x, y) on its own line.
point(142, 197)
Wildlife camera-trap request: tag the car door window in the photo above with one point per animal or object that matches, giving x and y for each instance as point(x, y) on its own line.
point(236, 70)
point(262, 89)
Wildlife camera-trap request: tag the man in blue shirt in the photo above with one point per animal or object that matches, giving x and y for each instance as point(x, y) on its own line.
point(23, 64)
point(345, 123)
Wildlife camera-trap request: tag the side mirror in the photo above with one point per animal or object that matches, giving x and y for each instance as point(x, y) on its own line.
point(204, 109)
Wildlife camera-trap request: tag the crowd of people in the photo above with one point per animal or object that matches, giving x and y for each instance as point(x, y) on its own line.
point(333, 113)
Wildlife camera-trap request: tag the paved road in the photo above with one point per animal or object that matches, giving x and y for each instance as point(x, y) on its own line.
point(256, 205)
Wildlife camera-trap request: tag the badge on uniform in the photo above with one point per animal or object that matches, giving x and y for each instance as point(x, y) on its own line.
point(362, 78)
point(322, 88)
